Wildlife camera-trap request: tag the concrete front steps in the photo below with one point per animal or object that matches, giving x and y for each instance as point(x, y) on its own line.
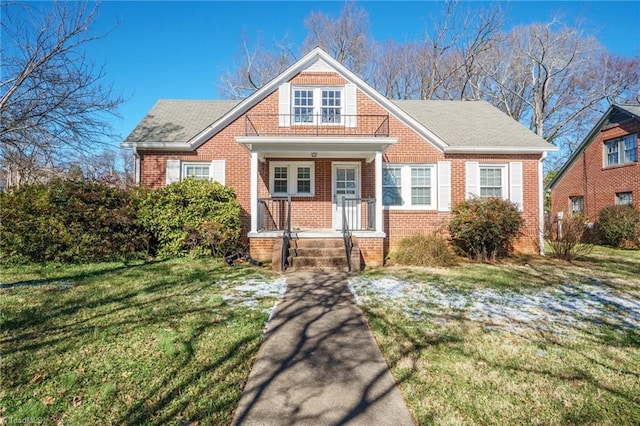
point(318, 254)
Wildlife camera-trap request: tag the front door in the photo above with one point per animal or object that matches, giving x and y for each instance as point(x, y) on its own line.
point(346, 184)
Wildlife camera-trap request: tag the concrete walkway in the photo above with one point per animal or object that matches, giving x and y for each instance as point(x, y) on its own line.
point(319, 363)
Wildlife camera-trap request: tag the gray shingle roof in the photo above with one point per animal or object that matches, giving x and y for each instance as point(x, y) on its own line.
point(471, 124)
point(458, 123)
point(172, 120)
point(631, 109)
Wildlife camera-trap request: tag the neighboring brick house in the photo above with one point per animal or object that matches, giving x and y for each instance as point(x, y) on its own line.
point(604, 169)
point(317, 133)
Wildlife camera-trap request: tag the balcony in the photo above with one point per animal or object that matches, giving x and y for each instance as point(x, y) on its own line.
point(316, 125)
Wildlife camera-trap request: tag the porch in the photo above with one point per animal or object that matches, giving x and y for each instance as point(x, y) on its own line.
point(313, 179)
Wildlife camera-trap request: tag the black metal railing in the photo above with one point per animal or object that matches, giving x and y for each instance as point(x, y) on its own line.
point(360, 213)
point(346, 235)
point(362, 125)
point(274, 214)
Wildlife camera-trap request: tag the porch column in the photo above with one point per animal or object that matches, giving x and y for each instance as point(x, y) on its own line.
point(253, 179)
point(378, 165)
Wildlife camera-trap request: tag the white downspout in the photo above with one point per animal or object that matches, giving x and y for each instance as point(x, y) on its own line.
point(378, 183)
point(254, 192)
point(541, 201)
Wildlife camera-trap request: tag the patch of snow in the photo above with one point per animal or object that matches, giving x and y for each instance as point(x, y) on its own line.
point(250, 292)
point(568, 306)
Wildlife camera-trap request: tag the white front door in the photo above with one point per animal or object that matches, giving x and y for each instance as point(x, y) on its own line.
point(346, 184)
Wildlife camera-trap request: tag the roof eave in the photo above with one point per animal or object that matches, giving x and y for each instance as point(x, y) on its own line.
point(159, 146)
point(583, 145)
point(499, 150)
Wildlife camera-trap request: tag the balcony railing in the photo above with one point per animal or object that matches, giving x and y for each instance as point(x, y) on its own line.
point(316, 125)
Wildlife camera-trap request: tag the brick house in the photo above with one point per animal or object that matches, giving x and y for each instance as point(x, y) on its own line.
point(604, 169)
point(317, 148)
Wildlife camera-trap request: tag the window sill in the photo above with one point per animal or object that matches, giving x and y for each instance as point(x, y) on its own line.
point(292, 195)
point(617, 166)
point(410, 208)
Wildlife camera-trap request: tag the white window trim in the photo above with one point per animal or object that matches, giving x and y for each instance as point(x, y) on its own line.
point(186, 164)
point(405, 186)
point(503, 173)
point(571, 204)
point(620, 142)
point(317, 105)
point(292, 177)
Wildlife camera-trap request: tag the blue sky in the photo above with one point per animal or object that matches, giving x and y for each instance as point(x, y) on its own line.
point(160, 49)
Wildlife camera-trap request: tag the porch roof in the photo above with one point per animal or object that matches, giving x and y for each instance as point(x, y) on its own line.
point(313, 147)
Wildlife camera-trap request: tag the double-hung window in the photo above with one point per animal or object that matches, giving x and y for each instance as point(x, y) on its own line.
point(576, 205)
point(317, 105)
point(621, 150)
point(200, 171)
point(420, 186)
point(294, 178)
point(408, 186)
point(492, 181)
point(303, 106)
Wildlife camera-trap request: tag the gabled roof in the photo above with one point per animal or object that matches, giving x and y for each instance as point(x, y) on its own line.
point(633, 111)
point(473, 126)
point(177, 121)
point(452, 126)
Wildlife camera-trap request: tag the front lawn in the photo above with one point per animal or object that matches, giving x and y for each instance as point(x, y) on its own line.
point(528, 341)
point(168, 342)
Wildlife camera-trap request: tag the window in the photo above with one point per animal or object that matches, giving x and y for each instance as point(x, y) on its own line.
point(302, 106)
point(624, 198)
point(576, 205)
point(331, 106)
point(317, 105)
point(197, 171)
point(491, 181)
point(621, 150)
point(280, 180)
point(630, 149)
point(408, 185)
point(420, 186)
point(304, 180)
point(294, 178)
point(391, 186)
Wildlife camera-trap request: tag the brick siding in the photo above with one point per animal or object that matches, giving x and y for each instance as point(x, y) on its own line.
point(316, 212)
point(598, 184)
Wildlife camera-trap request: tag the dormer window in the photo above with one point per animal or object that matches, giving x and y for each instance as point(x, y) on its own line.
point(317, 105)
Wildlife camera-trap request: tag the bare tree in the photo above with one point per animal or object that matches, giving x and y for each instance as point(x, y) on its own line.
point(52, 98)
point(346, 37)
point(255, 65)
point(556, 81)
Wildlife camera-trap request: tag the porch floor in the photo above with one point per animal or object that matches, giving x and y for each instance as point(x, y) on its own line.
point(315, 233)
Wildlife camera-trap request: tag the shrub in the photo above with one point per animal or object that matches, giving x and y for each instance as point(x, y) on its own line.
point(483, 228)
point(192, 216)
point(423, 250)
point(574, 240)
point(69, 221)
point(620, 225)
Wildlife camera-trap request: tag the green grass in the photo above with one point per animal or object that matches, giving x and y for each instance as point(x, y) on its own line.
point(463, 372)
point(116, 343)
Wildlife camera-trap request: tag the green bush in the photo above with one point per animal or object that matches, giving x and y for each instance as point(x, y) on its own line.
point(483, 228)
point(423, 250)
point(620, 225)
point(192, 216)
point(69, 221)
